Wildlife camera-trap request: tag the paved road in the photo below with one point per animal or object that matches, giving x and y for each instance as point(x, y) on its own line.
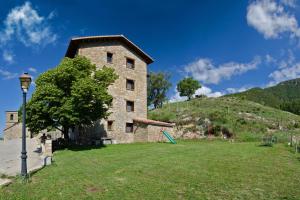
point(10, 152)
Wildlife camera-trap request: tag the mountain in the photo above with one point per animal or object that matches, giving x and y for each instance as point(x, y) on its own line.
point(246, 120)
point(284, 96)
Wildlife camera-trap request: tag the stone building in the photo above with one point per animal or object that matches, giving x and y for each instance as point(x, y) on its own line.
point(13, 129)
point(128, 121)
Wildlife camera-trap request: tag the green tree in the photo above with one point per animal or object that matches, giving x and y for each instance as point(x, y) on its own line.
point(292, 106)
point(72, 94)
point(158, 86)
point(187, 87)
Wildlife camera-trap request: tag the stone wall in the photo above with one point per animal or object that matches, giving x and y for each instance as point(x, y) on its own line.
point(151, 132)
point(14, 131)
point(97, 53)
point(155, 133)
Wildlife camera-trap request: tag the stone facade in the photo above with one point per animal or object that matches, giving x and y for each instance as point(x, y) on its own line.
point(13, 129)
point(119, 51)
point(97, 53)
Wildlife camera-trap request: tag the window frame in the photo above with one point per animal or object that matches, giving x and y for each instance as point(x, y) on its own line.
point(133, 63)
point(128, 101)
point(107, 57)
point(131, 126)
point(11, 117)
point(110, 125)
point(133, 84)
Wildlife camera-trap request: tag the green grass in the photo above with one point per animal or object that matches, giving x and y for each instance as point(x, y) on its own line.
point(247, 120)
point(188, 170)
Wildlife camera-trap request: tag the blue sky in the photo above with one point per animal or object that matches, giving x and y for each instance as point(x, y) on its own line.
point(228, 45)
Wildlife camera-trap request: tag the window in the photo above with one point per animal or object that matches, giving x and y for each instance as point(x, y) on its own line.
point(129, 106)
point(129, 63)
point(109, 57)
point(110, 125)
point(129, 127)
point(11, 117)
point(129, 84)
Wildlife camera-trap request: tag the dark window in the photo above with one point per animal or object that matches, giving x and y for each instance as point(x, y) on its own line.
point(110, 125)
point(11, 117)
point(129, 84)
point(129, 63)
point(109, 57)
point(129, 106)
point(129, 127)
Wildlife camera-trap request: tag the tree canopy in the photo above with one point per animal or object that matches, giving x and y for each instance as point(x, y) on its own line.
point(187, 87)
point(72, 94)
point(158, 86)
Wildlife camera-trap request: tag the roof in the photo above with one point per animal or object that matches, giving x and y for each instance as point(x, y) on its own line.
point(11, 126)
point(74, 42)
point(152, 122)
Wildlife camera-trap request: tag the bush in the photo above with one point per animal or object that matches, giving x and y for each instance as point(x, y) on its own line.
point(218, 116)
point(242, 121)
point(269, 140)
point(226, 132)
point(162, 116)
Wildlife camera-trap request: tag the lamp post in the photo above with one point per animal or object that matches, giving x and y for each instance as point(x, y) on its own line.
point(25, 81)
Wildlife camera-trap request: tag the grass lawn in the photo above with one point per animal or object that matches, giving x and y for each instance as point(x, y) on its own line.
point(188, 170)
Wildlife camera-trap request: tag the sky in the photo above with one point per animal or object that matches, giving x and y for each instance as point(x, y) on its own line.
point(227, 45)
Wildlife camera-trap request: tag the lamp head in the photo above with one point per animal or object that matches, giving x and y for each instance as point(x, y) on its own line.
point(25, 81)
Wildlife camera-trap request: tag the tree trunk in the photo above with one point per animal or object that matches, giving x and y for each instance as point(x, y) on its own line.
point(65, 131)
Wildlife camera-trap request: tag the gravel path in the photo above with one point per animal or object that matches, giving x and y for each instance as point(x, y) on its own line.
point(10, 152)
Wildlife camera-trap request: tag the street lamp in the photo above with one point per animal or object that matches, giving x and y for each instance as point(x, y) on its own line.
point(25, 81)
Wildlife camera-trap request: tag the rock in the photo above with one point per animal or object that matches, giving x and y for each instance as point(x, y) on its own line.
point(4, 182)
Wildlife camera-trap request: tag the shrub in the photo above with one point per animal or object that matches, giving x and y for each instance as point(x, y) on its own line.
point(163, 116)
point(218, 116)
point(226, 132)
point(242, 121)
point(269, 140)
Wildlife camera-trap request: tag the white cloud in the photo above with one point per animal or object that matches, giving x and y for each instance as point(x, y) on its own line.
point(207, 92)
point(290, 3)
point(237, 90)
point(31, 69)
point(271, 19)
point(7, 75)
point(270, 59)
point(8, 56)
point(52, 15)
point(205, 71)
point(288, 68)
point(201, 91)
point(286, 73)
point(290, 60)
point(25, 25)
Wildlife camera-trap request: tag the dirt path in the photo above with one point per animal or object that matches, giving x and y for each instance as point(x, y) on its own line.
point(10, 152)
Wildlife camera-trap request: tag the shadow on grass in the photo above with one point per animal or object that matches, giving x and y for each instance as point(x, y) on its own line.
point(265, 145)
point(61, 144)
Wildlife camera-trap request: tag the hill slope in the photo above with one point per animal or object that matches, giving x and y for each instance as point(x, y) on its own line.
point(245, 119)
point(285, 96)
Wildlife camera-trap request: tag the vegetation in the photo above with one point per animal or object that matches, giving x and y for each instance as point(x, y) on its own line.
point(188, 170)
point(158, 86)
point(245, 120)
point(72, 94)
point(285, 96)
point(187, 87)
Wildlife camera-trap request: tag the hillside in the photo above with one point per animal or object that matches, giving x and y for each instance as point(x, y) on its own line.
point(285, 96)
point(246, 120)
